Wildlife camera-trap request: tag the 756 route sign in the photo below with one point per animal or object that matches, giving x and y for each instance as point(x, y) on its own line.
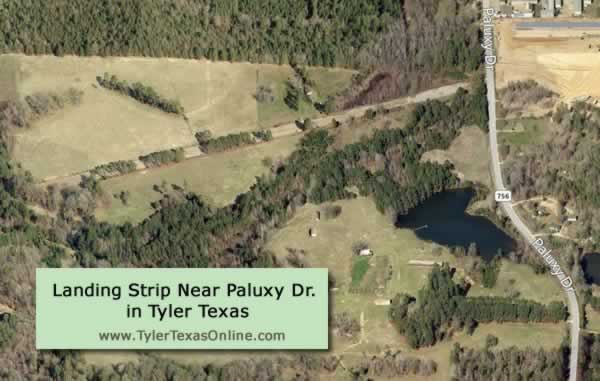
point(503, 196)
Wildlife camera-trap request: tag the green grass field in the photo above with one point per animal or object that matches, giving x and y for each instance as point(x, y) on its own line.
point(359, 270)
point(328, 81)
point(593, 319)
point(520, 132)
point(105, 127)
point(219, 178)
point(521, 280)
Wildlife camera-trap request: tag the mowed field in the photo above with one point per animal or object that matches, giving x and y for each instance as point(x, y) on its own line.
point(106, 126)
point(218, 178)
point(469, 145)
point(569, 66)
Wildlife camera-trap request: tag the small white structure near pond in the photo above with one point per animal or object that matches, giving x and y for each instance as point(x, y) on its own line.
point(365, 252)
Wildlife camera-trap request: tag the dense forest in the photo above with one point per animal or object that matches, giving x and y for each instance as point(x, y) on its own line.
point(324, 32)
point(443, 307)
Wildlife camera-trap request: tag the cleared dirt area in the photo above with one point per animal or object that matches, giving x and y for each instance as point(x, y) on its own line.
point(218, 178)
point(568, 66)
point(469, 154)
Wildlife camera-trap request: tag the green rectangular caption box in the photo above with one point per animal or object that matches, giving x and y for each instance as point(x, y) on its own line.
point(181, 309)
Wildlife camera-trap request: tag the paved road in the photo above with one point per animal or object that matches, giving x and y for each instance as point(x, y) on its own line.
point(573, 305)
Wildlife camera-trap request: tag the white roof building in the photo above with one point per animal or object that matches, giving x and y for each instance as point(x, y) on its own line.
point(365, 252)
point(577, 7)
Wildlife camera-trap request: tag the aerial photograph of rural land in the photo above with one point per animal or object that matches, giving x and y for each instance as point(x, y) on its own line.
point(439, 159)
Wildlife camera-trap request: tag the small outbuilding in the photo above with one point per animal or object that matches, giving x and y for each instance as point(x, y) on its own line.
point(365, 252)
point(383, 302)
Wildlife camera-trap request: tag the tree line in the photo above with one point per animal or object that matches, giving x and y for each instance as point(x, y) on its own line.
point(224, 143)
point(114, 167)
point(509, 364)
point(141, 93)
point(443, 306)
point(156, 159)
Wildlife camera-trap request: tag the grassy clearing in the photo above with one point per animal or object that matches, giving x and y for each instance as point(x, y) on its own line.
point(207, 90)
point(593, 319)
point(518, 132)
point(328, 81)
point(219, 178)
point(105, 127)
point(8, 77)
point(277, 112)
point(469, 153)
point(518, 280)
point(547, 336)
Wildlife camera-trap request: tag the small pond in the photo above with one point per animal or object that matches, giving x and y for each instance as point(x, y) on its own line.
point(442, 219)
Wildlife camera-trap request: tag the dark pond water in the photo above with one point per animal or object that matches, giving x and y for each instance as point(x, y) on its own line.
point(591, 267)
point(442, 219)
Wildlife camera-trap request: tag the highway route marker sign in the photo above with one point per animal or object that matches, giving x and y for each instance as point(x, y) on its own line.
point(503, 196)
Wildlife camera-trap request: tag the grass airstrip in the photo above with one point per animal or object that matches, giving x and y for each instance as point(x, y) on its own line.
point(107, 126)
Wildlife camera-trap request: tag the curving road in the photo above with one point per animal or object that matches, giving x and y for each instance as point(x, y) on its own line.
point(508, 209)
